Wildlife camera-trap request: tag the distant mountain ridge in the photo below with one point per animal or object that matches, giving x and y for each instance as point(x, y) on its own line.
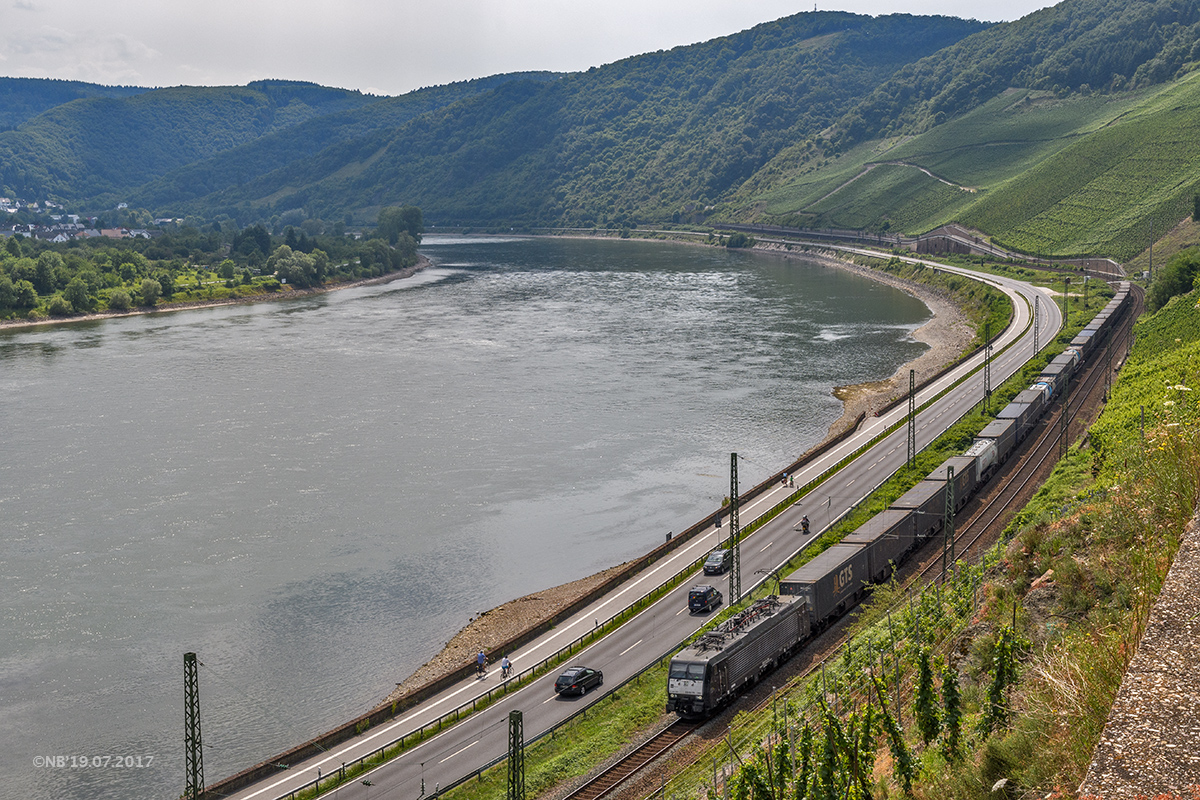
point(760, 124)
point(24, 98)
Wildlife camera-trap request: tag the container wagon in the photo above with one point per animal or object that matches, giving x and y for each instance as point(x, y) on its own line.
point(831, 582)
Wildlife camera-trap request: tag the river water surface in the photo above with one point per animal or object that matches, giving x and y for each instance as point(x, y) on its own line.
point(314, 495)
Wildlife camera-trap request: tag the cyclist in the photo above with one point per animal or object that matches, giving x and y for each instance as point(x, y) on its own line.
point(480, 662)
point(505, 666)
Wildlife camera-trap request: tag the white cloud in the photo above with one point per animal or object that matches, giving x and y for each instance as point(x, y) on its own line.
point(24, 5)
point(86, 55)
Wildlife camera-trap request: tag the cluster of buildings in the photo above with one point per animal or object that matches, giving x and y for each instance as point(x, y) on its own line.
point(60, 227)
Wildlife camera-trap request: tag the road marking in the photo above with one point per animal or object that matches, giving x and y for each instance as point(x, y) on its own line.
point(635, 644)
point(680, 611)
point(452, 755)
point(548, 699)
point(851, 482)
point(767, 545)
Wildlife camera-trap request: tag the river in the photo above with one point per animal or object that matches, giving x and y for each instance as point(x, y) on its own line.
point(314, 495)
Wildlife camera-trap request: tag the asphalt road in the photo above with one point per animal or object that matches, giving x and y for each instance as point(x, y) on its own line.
point(657, 631)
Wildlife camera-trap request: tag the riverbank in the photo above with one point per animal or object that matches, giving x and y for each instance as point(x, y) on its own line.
point(287, 294)
point(947, 333)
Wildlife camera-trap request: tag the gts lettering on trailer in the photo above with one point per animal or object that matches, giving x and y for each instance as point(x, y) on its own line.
point(844, 577)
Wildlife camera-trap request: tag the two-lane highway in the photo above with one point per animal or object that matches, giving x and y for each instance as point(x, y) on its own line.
point(482, 737)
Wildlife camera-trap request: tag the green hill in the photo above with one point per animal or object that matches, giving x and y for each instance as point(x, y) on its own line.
point(1042, 174)
point(277, 150)
point(99, 145)
point(1065, 132)
point(658, 136)
point(24, 98)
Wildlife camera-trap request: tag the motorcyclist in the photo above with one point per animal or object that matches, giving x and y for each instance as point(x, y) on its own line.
point(804, 524)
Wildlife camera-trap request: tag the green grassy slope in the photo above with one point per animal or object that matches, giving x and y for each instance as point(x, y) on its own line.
point(1046, 175)
point(1100, 194)
point(974, 153)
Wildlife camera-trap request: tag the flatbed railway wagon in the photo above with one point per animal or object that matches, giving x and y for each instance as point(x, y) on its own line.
point(721, 663)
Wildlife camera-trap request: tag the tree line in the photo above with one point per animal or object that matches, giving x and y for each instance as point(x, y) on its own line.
point(40, 279)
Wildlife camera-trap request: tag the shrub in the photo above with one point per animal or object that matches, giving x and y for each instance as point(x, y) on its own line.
point(59, 306)
point(120, 300)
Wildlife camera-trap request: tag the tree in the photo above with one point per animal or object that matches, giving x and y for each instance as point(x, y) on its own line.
point(151, 289)
point(120, 300)
point(297, 269)
point(252, 240)
point(7, 291)
point(44, 273)
point(1176, 277)
point(59, 307)
point(76, 293)
point(13, 246)
point(24, 295)
point(394, 220)
point(225, 270)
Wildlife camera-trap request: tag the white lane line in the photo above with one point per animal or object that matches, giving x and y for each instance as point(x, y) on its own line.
point(627, 649)
point(851, 482)
point(548, 699)
point(452, 755)
point(680, 611)
point(766, 546)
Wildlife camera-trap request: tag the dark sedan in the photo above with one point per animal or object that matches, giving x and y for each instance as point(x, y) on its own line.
point(577, 680)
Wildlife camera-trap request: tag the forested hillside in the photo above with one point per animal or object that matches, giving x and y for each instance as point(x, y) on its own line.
point(276, 150)
point(658, 136)
point(99, 145)
point(1065, 132)
point(25, 98)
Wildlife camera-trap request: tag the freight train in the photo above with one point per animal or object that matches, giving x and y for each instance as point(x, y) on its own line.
point(707, 675)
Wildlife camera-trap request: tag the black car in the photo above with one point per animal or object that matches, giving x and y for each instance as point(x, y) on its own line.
point(703, 598)
point(577, 680)
point(718, 561)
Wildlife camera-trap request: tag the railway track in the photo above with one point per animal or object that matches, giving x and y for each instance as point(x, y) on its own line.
point(1032, 464)
point(655, 746)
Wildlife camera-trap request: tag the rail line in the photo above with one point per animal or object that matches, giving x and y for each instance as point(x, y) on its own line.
point(1032, 464)
point(651, 749)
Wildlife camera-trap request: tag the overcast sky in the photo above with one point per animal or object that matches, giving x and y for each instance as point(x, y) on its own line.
point(381, 46)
